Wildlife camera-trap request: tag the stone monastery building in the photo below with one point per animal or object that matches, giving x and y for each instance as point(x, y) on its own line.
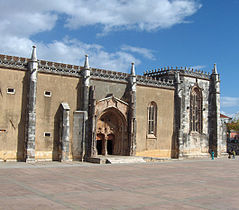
point(55, 111)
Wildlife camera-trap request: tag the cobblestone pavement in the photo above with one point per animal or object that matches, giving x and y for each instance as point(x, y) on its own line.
point(187, 184)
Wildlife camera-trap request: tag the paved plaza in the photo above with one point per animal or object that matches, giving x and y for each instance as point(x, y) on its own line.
point(187, 184)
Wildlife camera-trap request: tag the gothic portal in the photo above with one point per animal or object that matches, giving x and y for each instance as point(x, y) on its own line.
point(111, 136)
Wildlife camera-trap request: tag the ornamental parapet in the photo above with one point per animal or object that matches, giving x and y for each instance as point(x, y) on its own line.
point(13, 62)
point(149, 81)
point(109, 75)
point(74, 70)
point(183, 71)
point(59, 68)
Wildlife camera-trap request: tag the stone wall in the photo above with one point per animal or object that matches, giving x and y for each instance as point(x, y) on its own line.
point(12, 114)
point(49, 112)
point(160, 145)
point(106, 88)
point(58, 84)
point(194, 144)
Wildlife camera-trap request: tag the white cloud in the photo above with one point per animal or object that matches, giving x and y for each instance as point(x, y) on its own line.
point(69, 51)
point(140, 14)
point(14, 45)
point(25, 23)
point(20, 20)
point(73, 52)
point(229, 101)
point(147, 53)
point(29, 17)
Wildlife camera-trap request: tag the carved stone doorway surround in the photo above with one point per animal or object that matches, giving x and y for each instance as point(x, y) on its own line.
point(111, 127)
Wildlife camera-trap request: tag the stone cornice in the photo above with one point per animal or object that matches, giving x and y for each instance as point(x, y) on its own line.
point(13, 62)
point(149, 81)
point(59, 68)
point(184, 72)
point(74, 70)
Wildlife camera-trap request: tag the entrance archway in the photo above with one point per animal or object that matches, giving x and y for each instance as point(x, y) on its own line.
point(110, 144)
point(100, 141)
point(111, 130)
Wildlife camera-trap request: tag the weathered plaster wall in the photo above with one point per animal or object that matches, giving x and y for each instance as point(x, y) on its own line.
point(104, 88)
point(12, 115)
point(161, 146)
point(48, 111)
point(194, 144)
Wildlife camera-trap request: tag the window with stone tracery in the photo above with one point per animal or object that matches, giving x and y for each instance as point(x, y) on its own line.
point(196, 110)
point(152, 118)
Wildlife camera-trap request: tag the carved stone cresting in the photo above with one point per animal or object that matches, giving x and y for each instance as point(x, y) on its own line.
point(14, 62)
point(186, 72)
point(76, 71)
point(112, 102)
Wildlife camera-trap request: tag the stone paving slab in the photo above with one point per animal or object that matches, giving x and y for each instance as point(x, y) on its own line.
point(187, 184)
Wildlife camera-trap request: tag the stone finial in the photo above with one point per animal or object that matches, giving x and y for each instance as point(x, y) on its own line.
point(214, 71)
point(34, 54)
point(132, 78)
point(177, 77)
point(86, 66)
point(132, 69)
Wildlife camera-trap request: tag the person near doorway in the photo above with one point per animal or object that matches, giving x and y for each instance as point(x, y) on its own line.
point(233, 154)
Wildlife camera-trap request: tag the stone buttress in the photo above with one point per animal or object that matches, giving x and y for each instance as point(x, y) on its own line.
point(217, 142)
point(132, 111)
point(31, 113)
point(86, 73)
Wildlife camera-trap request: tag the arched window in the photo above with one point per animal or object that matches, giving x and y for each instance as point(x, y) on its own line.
point(152, 118)
point(196, 110)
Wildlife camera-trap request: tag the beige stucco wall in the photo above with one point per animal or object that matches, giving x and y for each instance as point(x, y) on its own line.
point(12, 115)
point(63, 89)
point(67, 89)
point(103, 88)
point(161, 145)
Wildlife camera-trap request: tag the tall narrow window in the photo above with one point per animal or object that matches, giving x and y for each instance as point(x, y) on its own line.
point(196, 110)
point(152, 118)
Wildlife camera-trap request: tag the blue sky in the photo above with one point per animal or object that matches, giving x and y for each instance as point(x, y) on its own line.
point(152, 33)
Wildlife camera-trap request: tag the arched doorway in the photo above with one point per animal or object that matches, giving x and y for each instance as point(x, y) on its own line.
point(112, 131)
point(110, 144)
point(100, 143)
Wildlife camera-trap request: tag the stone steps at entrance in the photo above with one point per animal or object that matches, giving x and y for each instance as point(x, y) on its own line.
point(113, 159)
point(124, 159)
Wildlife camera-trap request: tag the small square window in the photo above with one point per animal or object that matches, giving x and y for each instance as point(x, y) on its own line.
point(47, 134)
point(10, 91)
point(47, 93)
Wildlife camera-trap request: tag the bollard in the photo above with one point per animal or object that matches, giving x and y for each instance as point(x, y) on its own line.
point(212, 155)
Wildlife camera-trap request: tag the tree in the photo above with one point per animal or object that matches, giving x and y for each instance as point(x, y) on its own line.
point(234, 125)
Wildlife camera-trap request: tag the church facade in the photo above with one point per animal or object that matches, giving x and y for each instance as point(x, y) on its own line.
point(55, 111)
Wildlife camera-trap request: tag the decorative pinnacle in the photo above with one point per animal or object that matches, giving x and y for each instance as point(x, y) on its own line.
point(34, 54)
point(214, 71)
point(86, 66)
point(132, 69)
